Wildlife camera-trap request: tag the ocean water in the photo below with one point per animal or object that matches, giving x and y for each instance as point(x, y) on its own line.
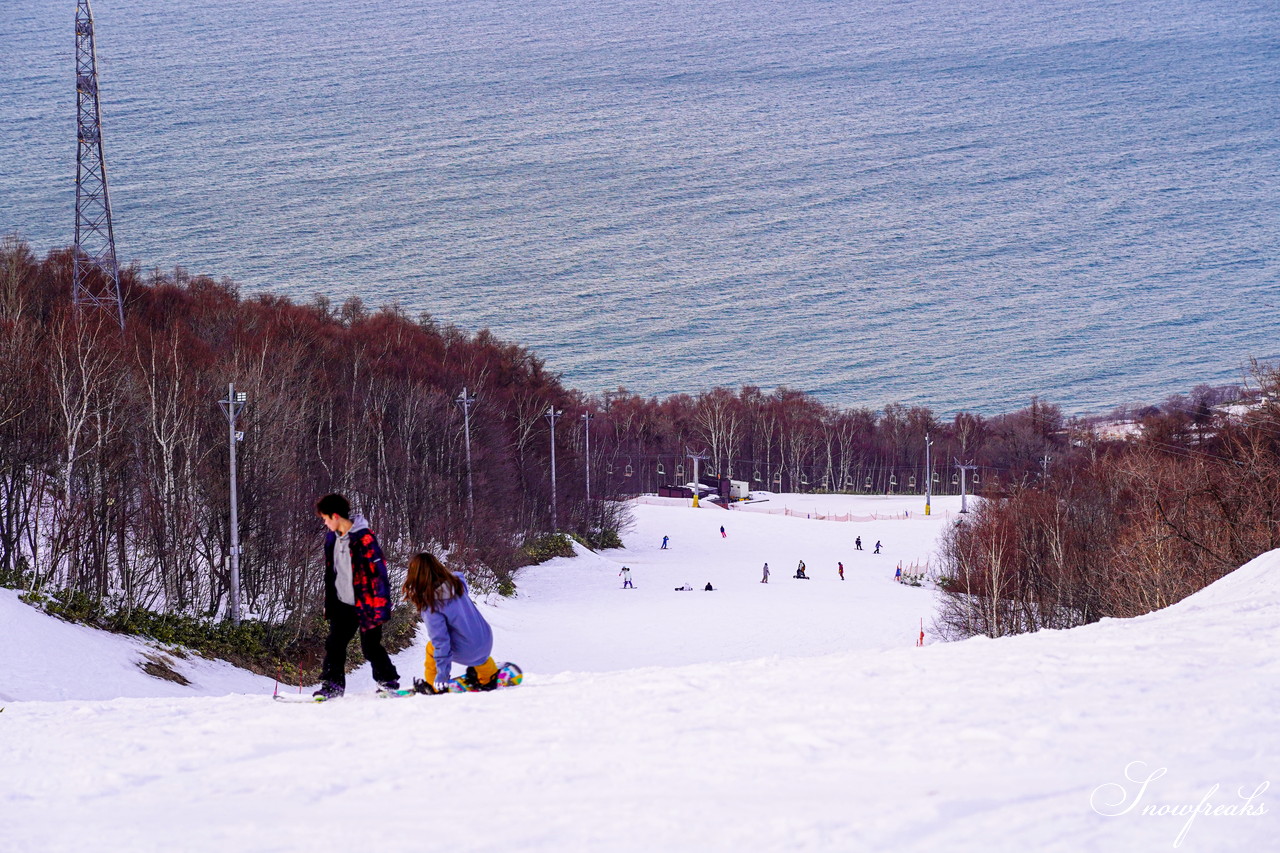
point(954, 204)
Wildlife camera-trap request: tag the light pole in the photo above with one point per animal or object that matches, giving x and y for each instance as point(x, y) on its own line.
point(586, 432)
point(465, 401)
point(231, 407)
point(928, 475)
point(552, 415)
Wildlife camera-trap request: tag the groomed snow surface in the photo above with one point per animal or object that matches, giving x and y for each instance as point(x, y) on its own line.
point(798, 715)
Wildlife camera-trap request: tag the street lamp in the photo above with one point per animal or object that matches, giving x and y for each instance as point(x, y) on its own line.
point(231, 407)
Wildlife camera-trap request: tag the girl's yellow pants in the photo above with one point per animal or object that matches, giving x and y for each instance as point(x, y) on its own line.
point(485, 671)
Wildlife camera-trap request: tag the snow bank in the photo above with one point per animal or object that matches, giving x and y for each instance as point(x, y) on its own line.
point(762, 728)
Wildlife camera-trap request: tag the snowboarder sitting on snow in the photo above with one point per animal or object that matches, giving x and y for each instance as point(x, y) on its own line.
point(357, 596)
point(685, 588)
point(455, 627)
point(800, 572)
point(708, 587)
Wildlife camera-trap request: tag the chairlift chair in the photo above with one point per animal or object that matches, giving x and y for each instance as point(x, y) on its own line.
point(662, 471)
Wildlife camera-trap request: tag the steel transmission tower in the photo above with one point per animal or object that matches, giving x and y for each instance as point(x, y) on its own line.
point(95, 270)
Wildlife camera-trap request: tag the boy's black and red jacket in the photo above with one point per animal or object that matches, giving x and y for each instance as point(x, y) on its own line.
point(368, 577)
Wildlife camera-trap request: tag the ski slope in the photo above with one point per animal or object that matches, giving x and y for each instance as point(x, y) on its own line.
point(797, 715)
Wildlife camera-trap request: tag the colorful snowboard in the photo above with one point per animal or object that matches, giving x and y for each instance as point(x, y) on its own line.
point(509, 675)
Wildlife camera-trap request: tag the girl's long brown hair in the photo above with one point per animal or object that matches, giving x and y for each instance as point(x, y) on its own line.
point(426, 577)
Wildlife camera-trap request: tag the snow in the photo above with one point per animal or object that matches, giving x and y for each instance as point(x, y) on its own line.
point(797, 715)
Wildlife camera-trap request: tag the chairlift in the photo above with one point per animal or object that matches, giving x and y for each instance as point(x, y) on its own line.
point(975, 478)
point(608, 468)
point(955, 479)
point(868, 484)
point(826, 483)
point(777, 479)
point(936, 477)
point(662, 471)
point(848, 482)
point(755, 476)
point(893, 480)
point(627, 472)
point(680, 471)
point(911, 483)
point(804, 480)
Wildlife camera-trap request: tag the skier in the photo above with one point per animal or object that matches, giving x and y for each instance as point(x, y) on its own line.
point(765, 579)
point(723, 535)
point(877, 550)
point(626, 578)
point(455, 628)
point(841, 565)
point(357, 596)
point(857, 544)
point(800, 572)
point(898, 575)
point(665, 539)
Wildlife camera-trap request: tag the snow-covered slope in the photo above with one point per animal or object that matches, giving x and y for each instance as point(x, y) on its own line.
point(729, 721)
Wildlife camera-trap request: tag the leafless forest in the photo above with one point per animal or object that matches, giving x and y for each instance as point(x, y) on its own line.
point(114, 459)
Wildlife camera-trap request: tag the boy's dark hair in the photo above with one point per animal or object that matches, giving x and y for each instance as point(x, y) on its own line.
point(334, 505)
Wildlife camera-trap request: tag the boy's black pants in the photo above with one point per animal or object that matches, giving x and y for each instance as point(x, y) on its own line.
point(343, 625)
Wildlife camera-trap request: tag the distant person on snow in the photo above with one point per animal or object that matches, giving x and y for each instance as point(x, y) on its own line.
point(685, 588)
point(708, 587)
point(723, 535)
point(800, 572)
point(877, 550)
point(841, 565)
point(857, 544)
point(357, 596)
point(626, 578)
point(765, 579)
point(455, 628)
point(898, 575)
point(665, 540)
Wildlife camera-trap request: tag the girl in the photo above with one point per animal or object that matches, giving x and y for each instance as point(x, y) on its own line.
point(455, 627)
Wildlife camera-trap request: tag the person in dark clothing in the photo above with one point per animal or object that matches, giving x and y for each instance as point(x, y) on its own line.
point(877, 550)
point(357, 597)
point(800, 572)
point(857, 544)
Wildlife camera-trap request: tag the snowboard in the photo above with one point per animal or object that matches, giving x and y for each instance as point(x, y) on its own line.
point(509, 675)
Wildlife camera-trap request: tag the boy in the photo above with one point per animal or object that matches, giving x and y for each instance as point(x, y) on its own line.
point(356, 597)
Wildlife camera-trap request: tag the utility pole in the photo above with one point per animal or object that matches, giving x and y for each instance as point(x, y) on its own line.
point(964, 507)
point(466, 401)
point(552, 415)
point(95, 272)
point(1044, 467)
point(928, 475)
point(231, 407)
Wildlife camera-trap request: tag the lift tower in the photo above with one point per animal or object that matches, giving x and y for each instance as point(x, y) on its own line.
point(95, 270)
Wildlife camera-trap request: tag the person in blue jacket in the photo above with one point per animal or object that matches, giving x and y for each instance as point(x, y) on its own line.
point(457, 631)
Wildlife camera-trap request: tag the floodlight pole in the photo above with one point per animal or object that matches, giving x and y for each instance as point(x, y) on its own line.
point(232, 407)
point(928, 475)
point(466, 401)
point(552, 415)
point(586, 431)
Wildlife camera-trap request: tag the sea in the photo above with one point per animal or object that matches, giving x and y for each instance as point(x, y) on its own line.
point(961, 205)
